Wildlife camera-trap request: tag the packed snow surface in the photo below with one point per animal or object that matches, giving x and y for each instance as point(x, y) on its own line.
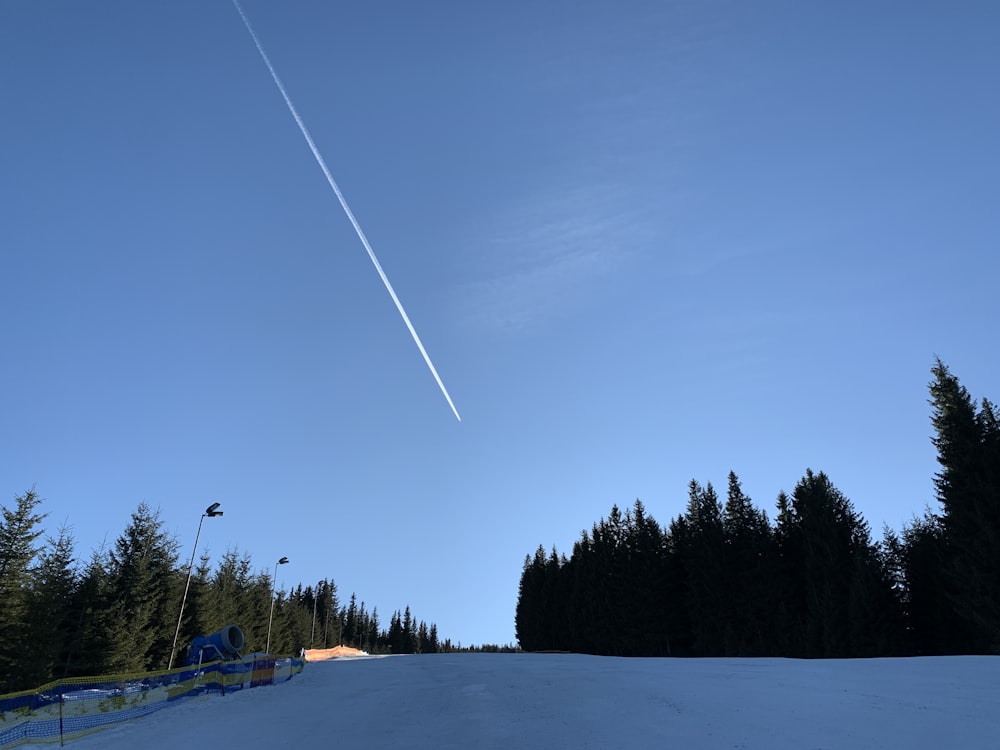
point(569, 700)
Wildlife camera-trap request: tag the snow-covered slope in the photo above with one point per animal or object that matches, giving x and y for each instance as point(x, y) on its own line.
point(556, 700)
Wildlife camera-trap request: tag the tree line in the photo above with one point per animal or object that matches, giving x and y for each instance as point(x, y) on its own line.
point(118, 612)
point(722, 580)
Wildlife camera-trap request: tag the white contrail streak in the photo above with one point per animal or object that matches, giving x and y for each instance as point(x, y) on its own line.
point(347, 209)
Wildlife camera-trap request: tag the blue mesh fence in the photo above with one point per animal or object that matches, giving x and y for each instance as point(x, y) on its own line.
point(71, 708)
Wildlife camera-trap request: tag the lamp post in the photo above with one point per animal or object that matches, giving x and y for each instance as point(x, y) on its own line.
point(211, 512)
point(312, 636)
point(282, 561)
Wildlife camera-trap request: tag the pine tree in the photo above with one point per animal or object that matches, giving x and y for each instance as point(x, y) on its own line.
point(703, 556)
point(146, 590)
point(91, 654)
point(935, 627)
point(556, 597)
point(230, 598)
point(876, 621)
point(197, 614)
point(676, 587)
point(283, 625)
point(968, 488)
point(330, 608)
point(19, 531)
point(585, 615)
point(604, 572)
point(531, 615)
point(52, 589)
point(259, 598)
point(435, 646)
point(395, 636)
point(350, 632)
point(839, 594)
point(290, 628)
point(363, 627)
point(373, 632)
point(646, 630)
point(750, 570)
point(409, 632)
point(788, 584)
point(423, 639)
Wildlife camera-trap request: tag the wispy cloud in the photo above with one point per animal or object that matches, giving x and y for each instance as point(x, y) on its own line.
point(615, 115)
point(545, 257)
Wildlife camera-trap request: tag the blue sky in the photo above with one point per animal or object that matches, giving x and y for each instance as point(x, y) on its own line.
point(641, 242)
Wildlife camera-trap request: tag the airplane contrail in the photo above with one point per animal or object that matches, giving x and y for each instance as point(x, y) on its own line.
point(347, 209)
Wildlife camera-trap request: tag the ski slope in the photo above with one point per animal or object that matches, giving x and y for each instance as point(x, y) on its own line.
point(569, 700)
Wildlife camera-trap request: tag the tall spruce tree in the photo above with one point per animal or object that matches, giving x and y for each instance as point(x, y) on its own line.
point(530, 617)
point(373, 632)
point(968, 487)
point(701, 551)
point(751, 594)
point(396, 639)
point(364, 627)
point(586, 622)
point(146, 591)
point(433, 636)
point(53, 585)
point(92, 647)
point(676, 587)
point(555, 596)
point(196, 607)
point(351, 631)
point(280, 622)
point(19, 532)
point(256, 598)
point(297, 621)
point(329, 613)
point(647, 630)
point(228, 596)
point(833, 574)
point(409, 632)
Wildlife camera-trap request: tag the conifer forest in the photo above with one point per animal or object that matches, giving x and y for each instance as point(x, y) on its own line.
point(118, 611)
point(722, 579)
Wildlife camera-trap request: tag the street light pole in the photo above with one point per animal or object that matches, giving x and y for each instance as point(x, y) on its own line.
point(211, 512)
point(326, 629)
point(282, 561)
point(312, 636)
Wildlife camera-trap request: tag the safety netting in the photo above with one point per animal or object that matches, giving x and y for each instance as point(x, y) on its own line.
point(322, 654)
point(70, 708)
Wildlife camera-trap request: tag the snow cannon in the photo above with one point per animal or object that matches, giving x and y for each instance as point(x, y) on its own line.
point(224, 645)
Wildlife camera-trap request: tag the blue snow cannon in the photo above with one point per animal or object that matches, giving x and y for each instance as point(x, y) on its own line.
point(224, 645)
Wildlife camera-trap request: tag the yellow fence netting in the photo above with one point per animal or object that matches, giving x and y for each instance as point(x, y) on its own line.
point(72, 707)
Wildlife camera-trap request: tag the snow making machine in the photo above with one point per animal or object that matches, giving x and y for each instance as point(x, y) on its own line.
point(224, 645)
point(219, 655)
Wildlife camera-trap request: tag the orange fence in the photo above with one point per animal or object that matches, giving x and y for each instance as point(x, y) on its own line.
point(322, 654)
